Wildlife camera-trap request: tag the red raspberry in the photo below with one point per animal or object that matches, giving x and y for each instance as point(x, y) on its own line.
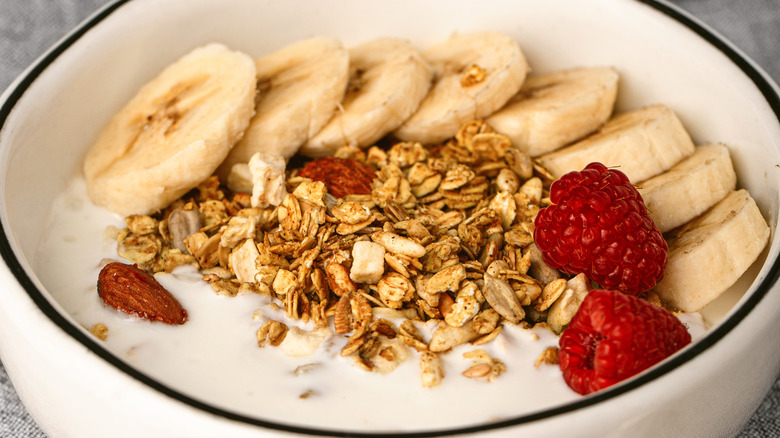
point(614, 336)
point(598, 225)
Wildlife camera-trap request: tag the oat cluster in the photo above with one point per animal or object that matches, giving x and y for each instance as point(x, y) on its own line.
point(444, 240)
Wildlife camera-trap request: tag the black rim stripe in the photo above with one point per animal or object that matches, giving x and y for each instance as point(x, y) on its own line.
point(709, 339)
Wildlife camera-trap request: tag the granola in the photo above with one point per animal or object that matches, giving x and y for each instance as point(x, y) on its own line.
point(443, 239)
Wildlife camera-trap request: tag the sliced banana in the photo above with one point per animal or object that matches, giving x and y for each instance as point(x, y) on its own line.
point(388, 80)
point(299, 88)
point(173, 133)
point(475, 75)
point(641, 144)
point(710, 253)
point(690, 187)
point(554, 109)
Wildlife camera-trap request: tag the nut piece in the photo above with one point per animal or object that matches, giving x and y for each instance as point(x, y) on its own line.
point(130, 290)
point(483, 365)
point(478, 370)
point(368, 262)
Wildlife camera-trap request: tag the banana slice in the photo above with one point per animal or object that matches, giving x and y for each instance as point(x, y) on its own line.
point(299, 88)
point(641, 143)
point(173, 133)
point(388, 80)
point(475, 75)
point(555, 109)
point(690, 187)
point(710, 253)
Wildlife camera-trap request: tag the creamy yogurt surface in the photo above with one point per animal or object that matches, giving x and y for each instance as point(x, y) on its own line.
point(215, 358)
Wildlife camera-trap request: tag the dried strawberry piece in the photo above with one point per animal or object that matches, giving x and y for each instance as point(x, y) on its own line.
point(598, 225)
point(614, 336)
point(342, 176)
point(129, 289)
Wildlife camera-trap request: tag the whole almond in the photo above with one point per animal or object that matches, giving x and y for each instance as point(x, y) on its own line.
point(129, 289)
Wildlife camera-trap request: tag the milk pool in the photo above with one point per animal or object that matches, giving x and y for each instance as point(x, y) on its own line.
point(214, 357)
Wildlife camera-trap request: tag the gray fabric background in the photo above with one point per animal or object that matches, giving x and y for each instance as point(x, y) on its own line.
point(29, 27)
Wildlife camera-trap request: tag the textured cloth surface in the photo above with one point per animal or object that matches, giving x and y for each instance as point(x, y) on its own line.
point(29, 27)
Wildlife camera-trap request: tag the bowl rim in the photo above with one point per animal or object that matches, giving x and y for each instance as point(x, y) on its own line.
point(737, 315)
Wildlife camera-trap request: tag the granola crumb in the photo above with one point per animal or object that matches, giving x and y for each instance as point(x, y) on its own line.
point(473, 76)
point(306, 368)
point(483, 365)
point(100, 331)
point(308, 393)
point(548, 357)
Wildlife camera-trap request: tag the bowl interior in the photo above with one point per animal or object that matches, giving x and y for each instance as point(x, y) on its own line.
point(52, 115)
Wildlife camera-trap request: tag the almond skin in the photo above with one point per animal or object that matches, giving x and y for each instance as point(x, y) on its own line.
point(342, 176)
point(129, 289)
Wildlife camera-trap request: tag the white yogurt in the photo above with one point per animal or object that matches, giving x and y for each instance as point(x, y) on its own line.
point(214, 357)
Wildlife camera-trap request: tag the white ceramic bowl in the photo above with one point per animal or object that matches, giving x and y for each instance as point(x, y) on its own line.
point(74, 387)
